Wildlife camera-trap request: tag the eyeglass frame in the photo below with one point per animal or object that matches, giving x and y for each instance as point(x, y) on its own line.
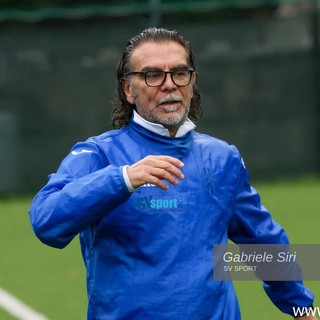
point(144, 73)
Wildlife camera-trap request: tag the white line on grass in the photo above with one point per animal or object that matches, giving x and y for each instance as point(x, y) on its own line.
point(17, 308)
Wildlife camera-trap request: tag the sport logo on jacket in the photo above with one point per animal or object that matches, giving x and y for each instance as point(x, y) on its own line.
point(159, 204)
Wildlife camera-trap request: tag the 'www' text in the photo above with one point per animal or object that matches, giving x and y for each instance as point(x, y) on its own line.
point(306, 311)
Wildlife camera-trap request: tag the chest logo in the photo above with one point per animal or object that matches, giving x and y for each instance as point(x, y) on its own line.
point(159, 204)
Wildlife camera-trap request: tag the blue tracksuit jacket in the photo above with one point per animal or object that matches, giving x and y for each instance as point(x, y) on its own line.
point(148, 254)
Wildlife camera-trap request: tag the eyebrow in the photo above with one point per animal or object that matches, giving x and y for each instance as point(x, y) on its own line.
point(178, 67)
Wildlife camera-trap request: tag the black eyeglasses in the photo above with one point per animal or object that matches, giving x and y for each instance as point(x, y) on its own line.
point(156, 78)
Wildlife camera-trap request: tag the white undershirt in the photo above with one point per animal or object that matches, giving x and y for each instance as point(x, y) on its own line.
point(187, 126)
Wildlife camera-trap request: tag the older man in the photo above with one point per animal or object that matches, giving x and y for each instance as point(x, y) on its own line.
point(151, 198)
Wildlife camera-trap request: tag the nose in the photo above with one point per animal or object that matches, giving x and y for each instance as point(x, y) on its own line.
point(168, 83)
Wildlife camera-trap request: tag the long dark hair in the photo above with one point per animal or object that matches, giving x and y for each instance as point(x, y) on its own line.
point(122, 109)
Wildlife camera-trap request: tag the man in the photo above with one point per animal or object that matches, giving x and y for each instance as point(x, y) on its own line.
point(151, 198)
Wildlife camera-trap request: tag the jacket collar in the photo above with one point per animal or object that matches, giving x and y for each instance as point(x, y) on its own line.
point(187, 126)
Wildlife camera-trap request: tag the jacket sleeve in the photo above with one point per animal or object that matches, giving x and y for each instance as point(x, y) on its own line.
point(78, 195)
point(252, 224)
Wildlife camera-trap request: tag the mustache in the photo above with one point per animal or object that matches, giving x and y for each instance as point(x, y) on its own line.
point(171, 98)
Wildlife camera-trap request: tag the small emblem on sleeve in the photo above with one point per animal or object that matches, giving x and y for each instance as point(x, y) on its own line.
point(81, 151)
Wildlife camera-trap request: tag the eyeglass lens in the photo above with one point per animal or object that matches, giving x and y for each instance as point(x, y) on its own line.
point(157, 78)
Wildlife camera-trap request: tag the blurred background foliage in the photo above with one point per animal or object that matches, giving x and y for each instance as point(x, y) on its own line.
point(43, 3)
point(258, 65)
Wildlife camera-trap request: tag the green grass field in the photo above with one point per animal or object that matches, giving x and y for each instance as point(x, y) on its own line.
point(52, 281)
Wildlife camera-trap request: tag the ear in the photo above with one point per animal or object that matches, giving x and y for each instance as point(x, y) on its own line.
point(127, 89)
point(193, 82)
point(194, 78)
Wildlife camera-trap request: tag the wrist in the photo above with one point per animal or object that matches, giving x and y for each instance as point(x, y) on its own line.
point(126, 179)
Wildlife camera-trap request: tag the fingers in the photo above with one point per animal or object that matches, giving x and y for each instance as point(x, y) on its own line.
point(155, 169)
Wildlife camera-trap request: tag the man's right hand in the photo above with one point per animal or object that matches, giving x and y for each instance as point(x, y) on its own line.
point(154, 169)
